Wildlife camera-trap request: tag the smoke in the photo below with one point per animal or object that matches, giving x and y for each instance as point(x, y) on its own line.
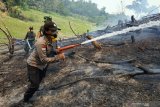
point(142, 26)
point(142, 7)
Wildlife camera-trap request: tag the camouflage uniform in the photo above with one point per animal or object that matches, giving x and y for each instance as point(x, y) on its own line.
point(30, 38)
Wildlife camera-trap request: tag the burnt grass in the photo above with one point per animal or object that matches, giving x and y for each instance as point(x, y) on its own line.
point(79, 81)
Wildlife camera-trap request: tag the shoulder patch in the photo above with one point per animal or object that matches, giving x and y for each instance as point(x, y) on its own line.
point(44, 47)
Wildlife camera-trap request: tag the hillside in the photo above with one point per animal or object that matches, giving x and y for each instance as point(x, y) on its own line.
point(123, 74)
point(18, 28)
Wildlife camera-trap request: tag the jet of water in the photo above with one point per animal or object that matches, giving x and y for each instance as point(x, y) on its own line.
point(140, 27)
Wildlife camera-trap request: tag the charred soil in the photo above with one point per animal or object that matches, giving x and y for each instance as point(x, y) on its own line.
point(90, 78)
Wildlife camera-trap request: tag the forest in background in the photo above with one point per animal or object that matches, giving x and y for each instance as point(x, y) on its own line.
point(77, 8)
point(23, 15)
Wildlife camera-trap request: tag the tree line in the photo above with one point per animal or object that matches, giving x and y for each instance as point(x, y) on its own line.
point(78, 8)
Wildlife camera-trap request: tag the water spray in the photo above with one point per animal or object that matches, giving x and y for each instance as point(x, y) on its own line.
point(140, 27)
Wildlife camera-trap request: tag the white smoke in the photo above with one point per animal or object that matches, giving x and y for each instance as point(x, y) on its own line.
point(142, 26)
point(141, 7)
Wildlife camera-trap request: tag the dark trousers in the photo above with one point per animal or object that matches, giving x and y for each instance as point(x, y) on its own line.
point(35, 77)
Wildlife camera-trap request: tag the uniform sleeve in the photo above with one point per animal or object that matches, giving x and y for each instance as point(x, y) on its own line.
point(58, 44)
point(41, 51)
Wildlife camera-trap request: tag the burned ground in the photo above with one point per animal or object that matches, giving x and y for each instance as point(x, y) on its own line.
point(90, 78)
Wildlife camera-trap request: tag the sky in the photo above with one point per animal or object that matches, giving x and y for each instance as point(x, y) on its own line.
point(115, 6)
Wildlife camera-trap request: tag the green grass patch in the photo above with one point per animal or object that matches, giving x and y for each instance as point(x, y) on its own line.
point(18, 28)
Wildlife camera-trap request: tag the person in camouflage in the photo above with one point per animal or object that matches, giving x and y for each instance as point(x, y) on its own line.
point(30, 39)
point(40, 32)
